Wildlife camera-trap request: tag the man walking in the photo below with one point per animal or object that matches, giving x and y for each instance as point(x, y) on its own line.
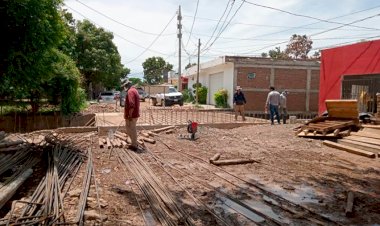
point(131, 112)
point(239, 102)
point(283, 111)
point(273, 101)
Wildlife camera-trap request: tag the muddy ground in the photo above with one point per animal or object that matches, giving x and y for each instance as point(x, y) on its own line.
point(292, 181)
point(295, 181)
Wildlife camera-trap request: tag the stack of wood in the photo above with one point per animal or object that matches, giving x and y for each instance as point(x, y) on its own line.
point(121, 140)
point(343, 117)
point(365, 142)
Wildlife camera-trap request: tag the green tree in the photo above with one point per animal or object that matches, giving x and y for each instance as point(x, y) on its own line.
point(276, 53)
point(154, 67)
point(264, 55)
point(34, 29)
point(97, 56)
point(221, 98)
point(136, 81)
point(189, 65)
point(298, 47)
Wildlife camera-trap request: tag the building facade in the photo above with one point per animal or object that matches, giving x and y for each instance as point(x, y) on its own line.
point(256, 75)
point(351, 72)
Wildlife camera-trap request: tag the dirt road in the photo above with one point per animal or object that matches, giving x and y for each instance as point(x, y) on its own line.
point(297, 181)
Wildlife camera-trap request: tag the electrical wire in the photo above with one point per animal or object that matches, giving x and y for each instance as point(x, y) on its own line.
point(305, 16)
point(217, 25)
point(318, 33)
point(221, 31)
point(158, 36)
point(110, 18)
point(192, 25)
point(116, 34)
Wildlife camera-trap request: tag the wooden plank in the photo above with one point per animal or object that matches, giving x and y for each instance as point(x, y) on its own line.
point(360, 145)
point(343, 113)
point(349, 149)
point(234, 161)
point(366, 134)
point(364, 139)
point(370, 130)
point(372, 126)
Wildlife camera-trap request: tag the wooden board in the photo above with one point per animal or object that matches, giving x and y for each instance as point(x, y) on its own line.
point(342, 108)
point(349, 149)
point(367, 140)
point(360, 145)
point(366, 134)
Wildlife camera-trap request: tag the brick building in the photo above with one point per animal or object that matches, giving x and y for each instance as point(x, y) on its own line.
point(255, 75)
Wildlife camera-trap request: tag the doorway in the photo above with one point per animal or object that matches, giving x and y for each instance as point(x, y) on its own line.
point(362, 88)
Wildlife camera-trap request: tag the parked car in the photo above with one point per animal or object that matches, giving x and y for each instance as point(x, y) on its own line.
point(168, 99)
point(107, 97)
point(142, 95)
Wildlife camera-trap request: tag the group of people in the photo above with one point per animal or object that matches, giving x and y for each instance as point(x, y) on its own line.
point(276, 103)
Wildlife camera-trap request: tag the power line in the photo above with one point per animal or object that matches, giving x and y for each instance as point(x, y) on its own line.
point(120, 36)
point(217, 25)
point(328, 30)
point(110, 18)
point(305, 16)
point(192, 25)
point(216, 38)
point(158, 36)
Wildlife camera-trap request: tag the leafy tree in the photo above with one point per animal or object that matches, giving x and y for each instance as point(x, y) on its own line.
point(154, 68)
point(316, 55)
point(32, 29)
point(265, 55)
point(276, 53)
point(298, 47)
point(98, 58)
point(189, 65)
point(136, 81)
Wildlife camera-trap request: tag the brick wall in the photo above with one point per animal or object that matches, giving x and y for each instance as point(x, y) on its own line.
point(290, 79)
point(293, 79)
point(261, 80)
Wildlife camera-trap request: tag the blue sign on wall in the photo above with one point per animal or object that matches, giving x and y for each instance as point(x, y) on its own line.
point(251, 75)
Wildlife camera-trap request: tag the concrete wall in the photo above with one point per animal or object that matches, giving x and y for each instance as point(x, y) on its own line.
point(26, 123)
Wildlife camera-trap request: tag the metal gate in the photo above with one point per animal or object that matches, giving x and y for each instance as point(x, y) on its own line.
point(364, 89)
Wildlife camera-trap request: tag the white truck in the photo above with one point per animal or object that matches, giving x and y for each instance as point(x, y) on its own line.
point(164, 95)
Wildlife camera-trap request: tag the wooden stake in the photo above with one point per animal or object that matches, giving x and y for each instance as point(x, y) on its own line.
point(350, 204)
point(215, 157)
point(163, 129)
point(233, 162)
point(149, 140)
point(10, 189)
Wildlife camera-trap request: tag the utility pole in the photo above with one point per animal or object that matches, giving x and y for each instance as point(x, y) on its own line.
point(179, 35)
point(197, 86)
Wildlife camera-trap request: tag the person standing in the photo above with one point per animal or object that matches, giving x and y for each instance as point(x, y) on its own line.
point(283, 111)
point(131, 112)
point(273, 101)
point(239, 102)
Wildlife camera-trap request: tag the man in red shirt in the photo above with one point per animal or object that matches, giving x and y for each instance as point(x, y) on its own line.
point(131, 112)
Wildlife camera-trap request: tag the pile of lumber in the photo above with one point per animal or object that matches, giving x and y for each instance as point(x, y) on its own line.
point(342, 119)
point(365, 142)
point(121, 139)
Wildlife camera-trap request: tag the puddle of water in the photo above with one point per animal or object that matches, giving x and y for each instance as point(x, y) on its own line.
point(266, 210)
point(228, 203)
point(301, 194)
point(150, 220)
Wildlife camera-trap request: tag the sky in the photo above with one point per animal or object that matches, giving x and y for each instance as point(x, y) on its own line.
point(147, 28)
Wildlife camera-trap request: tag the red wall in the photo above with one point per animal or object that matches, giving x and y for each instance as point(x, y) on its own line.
point(356, 59)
